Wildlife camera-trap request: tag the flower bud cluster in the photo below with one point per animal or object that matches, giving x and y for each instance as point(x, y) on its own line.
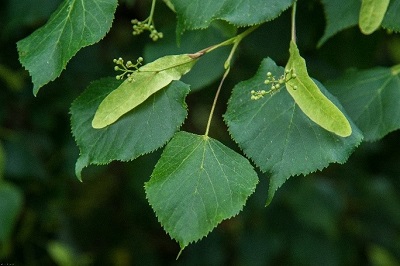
point(127, 68)
point(146, 25)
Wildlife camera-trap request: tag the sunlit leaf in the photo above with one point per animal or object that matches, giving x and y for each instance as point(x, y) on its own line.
point(371, 15)
point(278, 136)
point(140, 131)
point(371, 98)
point(197, 183)
point(75, 24)
point(198, 14)
point(146, 81)
point(311, 100)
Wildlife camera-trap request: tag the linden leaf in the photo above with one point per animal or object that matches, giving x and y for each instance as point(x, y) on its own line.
point(141, 131)
point(75, 24)
point(197, 183)
point(278, 136)
point(371, 98)
point(339, 15)
point(311, 100)
point(198, 14)
point(391, 20)
point(146, 81)
point(371, 15)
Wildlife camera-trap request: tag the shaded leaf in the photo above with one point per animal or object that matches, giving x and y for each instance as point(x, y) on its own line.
point(278, 136)
point(149, 79)
point(141, 131)
point(10, 206)
point(371, 15)
point(391, 20)
point(339, 15)
point(75, 24)
point(371, 98)
point(198, 14)
point(310, 99)
point(197, 183)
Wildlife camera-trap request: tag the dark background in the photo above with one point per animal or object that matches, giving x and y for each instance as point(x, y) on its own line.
point(345, 215)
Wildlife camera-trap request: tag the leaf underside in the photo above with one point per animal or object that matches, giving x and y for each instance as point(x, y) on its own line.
point(198, 14)
point(371, 98)
point(74, 25)
point(140, 131)
point(197, 183)
point(278, 136)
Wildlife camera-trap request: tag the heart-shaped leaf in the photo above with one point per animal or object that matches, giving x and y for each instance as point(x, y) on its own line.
point(278, 136)
point(140, 131)
point(197, 183)
point(75, 24)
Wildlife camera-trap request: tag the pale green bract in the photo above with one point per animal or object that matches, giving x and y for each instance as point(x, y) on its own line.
point(197, 183)
point(311, 100)
point(146, 81)
point(75, 24)
point(372, 13)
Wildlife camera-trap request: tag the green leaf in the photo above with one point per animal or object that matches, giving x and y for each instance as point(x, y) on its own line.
point(198, 14)
point(391, 20)
point(339, 15)
point(311, 100)
point(10, 207)
point(141, 131)
point(147, 80)
point(371, 98)
point(371, 15)
point(75, 24)
point(278, 136)
point(197, 183)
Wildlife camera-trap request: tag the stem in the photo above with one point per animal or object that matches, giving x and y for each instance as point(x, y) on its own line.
point(153, 6)
point(232, 40)
point(294, 21)
point(215, 101)
point(227, 65)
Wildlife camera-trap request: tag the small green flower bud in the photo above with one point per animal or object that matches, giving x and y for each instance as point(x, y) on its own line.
point(269, 74)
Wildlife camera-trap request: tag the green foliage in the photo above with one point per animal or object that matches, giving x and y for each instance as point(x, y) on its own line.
point(75, 24)
point(371, 97)
point(371, 15)
point(198, 14)
point(309, 98)
point(140, 85)
point(197, 183)
point(291, 144)
point(345, 14)
point(141, 131)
